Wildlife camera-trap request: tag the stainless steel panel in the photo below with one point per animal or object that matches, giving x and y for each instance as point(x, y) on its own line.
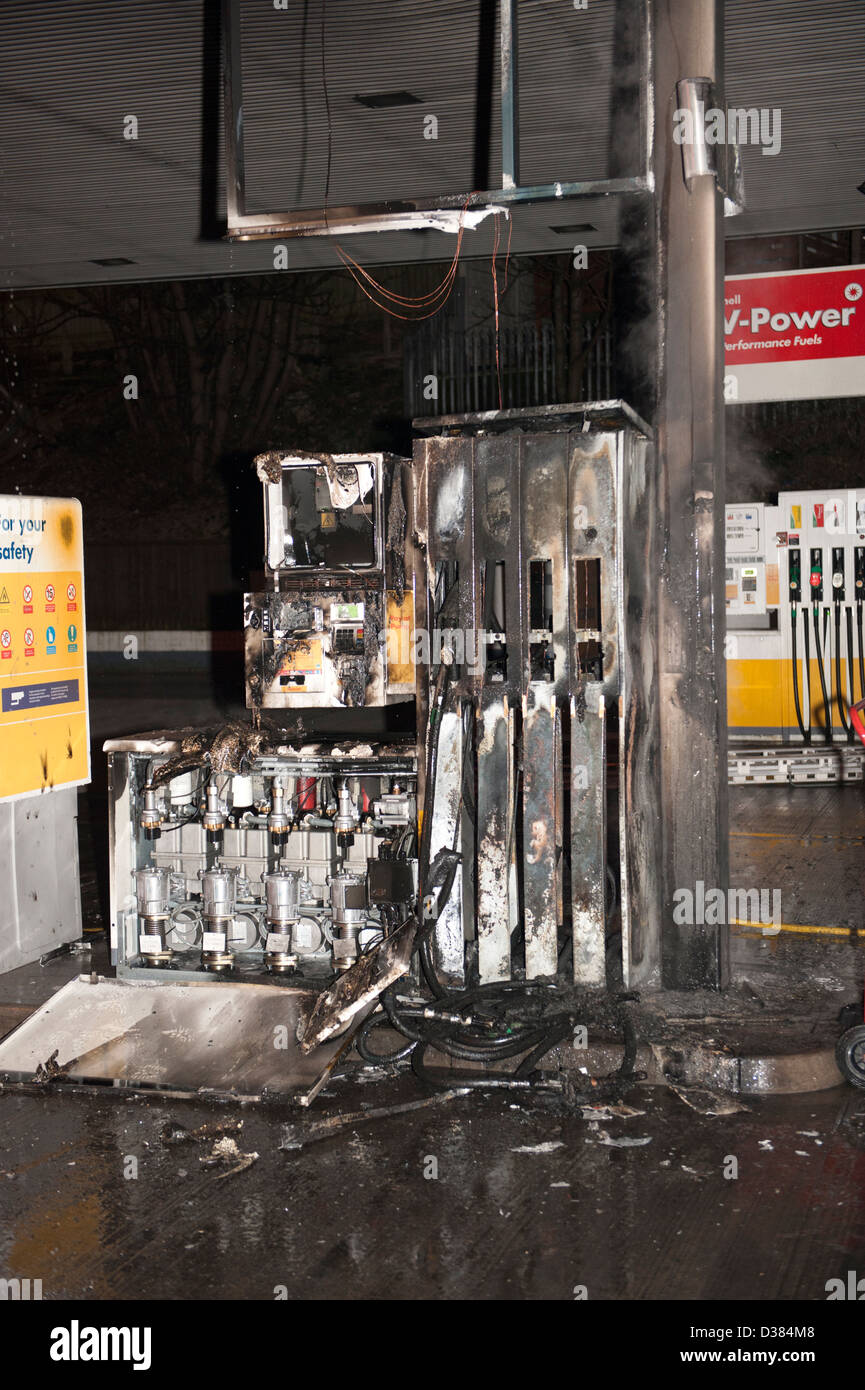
point(540, 815)
point(225, 1037)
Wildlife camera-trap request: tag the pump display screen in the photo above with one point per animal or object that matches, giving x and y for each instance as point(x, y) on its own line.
point(328, 516)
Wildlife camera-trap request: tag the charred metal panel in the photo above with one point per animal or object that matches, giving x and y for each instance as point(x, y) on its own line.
point(613, 541)
point(640, 807)
point(501, 616)
point(540, 814)
point(588, 836)
point(496, 839)
point(544, 542)
point(498, 508)
point(595, 564)
point(447, 832)
point(561, 578)
point(593, 655)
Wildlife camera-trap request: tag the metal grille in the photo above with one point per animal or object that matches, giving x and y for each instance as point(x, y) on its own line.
point(452, 371)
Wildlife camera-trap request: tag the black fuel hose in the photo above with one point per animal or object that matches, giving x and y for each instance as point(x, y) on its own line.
point(851, 687)
point(488, 1024)
point(827, 707)
point(794, 622)
point(840, 695)
point(860, 651)
point(807, 669)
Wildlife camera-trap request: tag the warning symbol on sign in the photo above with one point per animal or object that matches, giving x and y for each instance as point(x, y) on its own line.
point(4, 596)
point(5, 644)
point(28, 594)
point(70, 592)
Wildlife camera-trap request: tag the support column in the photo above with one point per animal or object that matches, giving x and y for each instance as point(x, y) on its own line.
point(670, 300)
point(689, 259)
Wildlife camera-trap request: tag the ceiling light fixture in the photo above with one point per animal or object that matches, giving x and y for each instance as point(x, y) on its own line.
point(377, 100)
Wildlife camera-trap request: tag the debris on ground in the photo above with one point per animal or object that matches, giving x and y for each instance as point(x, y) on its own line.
point(610, 1112)
point(178, 1134)
point(225, 1150)
point(52, 1070)
point(546, 1148)
point(706, 1101)
point(295, 1136)
point(602, 1137)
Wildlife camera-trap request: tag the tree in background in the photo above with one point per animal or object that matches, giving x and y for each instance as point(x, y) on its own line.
point(143, 399)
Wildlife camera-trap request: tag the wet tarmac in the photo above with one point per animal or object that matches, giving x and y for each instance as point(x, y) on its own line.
point(479, 1197)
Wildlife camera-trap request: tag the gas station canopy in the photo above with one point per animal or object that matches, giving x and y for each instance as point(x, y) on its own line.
point(111, 120)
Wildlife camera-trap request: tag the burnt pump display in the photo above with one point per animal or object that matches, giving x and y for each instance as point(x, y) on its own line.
point(245, 852)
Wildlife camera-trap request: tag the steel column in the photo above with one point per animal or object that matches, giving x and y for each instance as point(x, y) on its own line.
point(689, 266)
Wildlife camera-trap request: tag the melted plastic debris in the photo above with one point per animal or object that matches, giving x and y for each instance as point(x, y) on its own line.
point(619, 1143)
point(609, 1112)
point(707, 1102)
point(178, 1134)
point(547, 1148)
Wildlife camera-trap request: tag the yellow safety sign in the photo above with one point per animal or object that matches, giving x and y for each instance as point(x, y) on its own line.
point(44, 740)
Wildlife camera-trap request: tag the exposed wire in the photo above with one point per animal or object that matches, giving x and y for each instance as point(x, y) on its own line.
point(437, 297)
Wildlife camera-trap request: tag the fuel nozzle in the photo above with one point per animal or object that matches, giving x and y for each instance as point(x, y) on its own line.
point(795, 574)
point(816, 576)
point(838, 573)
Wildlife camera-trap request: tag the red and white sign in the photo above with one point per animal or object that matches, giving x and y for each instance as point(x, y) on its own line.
point(795, 335)
point(28, 641)
point(6, 644)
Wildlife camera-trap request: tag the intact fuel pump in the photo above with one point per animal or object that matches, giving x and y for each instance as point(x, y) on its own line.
point(816, 580)
point(791, 679)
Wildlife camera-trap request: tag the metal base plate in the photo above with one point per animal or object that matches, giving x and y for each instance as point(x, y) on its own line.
point(237, 1038)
